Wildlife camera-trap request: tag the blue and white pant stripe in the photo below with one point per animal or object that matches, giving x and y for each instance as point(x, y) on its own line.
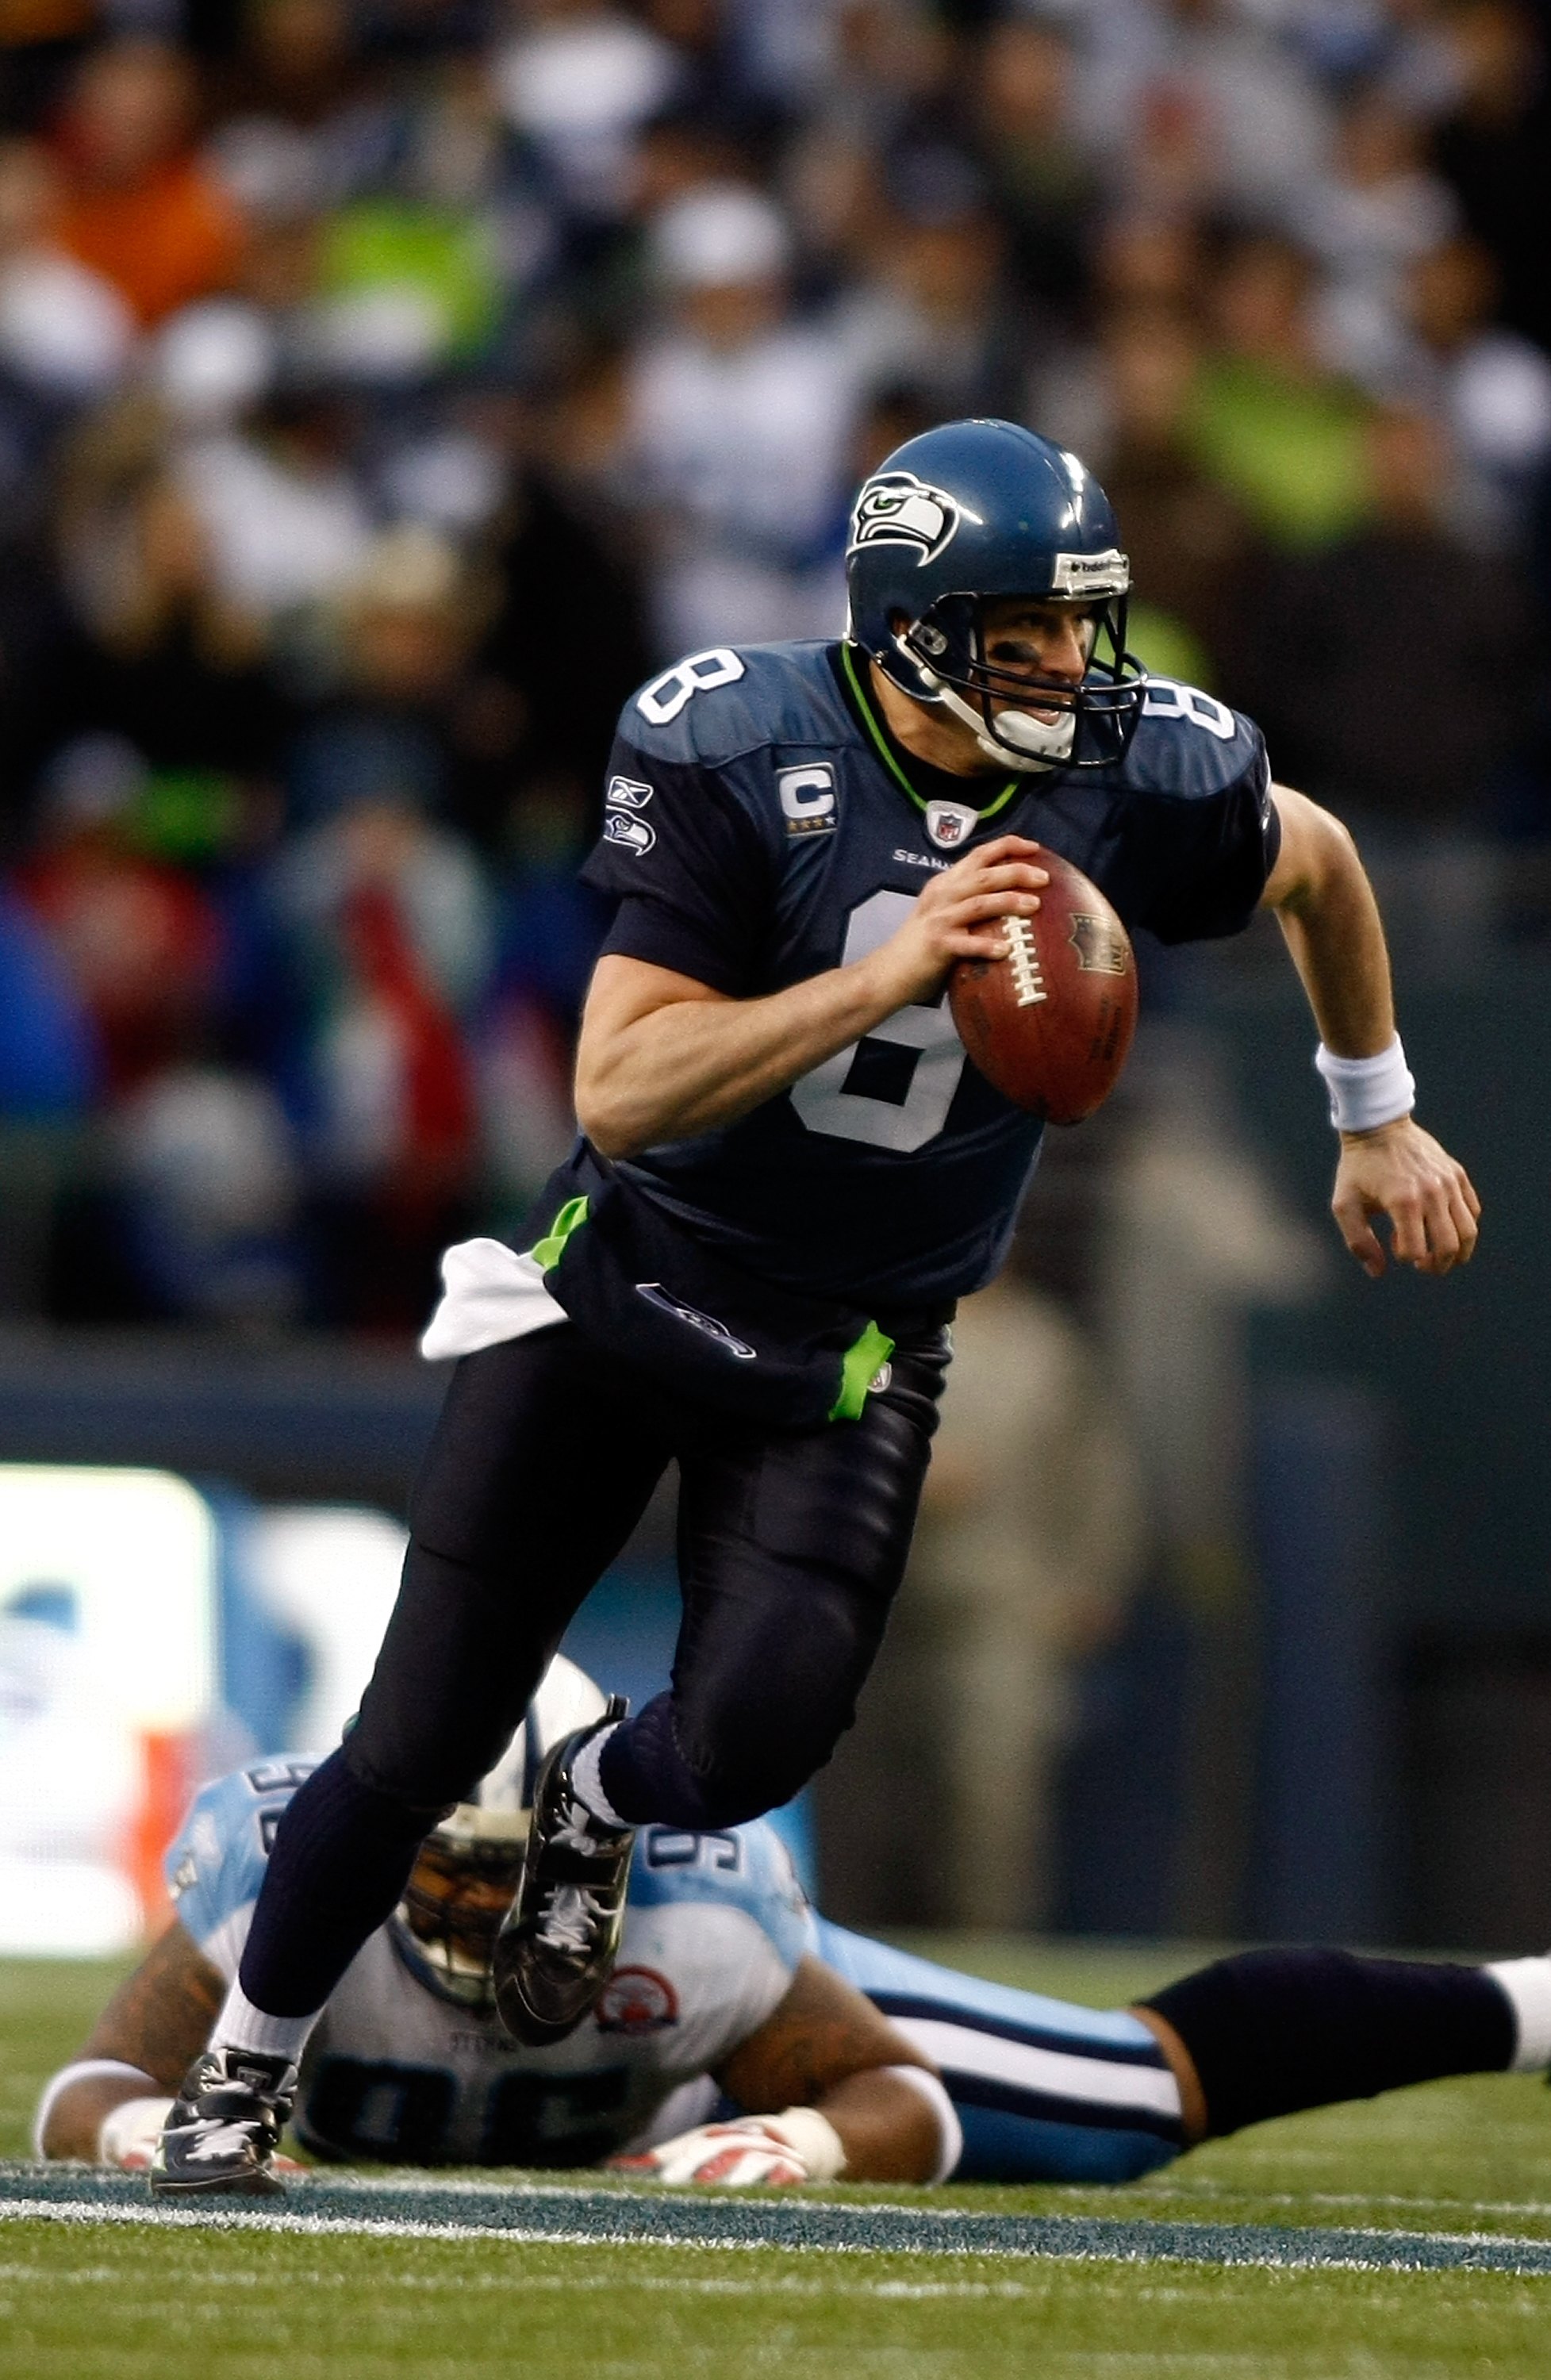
point(1046, 2091)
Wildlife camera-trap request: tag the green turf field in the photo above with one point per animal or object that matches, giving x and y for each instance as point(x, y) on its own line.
point(1470, 2157)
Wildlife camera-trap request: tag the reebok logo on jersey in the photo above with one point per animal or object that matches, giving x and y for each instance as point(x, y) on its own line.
point(628, 793)
point(899, 509)
point(655, 1295)
point(633, 832)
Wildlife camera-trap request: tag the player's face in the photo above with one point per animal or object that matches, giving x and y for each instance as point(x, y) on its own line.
point(468, 1902)
point(1041, 643)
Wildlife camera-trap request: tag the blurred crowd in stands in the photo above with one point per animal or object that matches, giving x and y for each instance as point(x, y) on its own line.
point(387, 387)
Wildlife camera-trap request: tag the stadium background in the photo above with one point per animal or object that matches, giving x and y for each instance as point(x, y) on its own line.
point(384, 391)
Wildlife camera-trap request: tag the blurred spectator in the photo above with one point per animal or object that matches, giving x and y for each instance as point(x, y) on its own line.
point(933, 313)
point(403, 723)
point(549, 929)
point(207, 1182)
point(1389, 670)
point(139, 209)
point(385, 919)
point(1490, 386)
point(160, 653)
point(1268, 421)
point(1043, 176)
point(48, 1063)
point(285, 517)
point(301, 121)
point(565, 644)
point(1495, 147)
point(580, 78)
point(48, 1077)
point(739, 418)
point(1187, 536)
point(1372, 219)
point(1203, 104)
point(141, 943)
point(64, 329)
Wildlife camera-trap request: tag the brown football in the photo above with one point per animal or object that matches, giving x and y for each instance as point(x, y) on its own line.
point(1051, 1023)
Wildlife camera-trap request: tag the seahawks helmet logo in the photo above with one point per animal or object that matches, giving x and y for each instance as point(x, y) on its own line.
point(899, 509)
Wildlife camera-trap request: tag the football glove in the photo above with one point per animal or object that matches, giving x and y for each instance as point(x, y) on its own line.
point(777, 2152)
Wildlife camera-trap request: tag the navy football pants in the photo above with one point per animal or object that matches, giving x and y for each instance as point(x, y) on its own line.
point(791, 1548)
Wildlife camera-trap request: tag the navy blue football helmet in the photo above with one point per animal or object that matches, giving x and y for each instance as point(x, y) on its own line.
point(968, 513)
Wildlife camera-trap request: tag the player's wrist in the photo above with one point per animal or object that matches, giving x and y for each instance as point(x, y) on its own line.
point(128, 2134)
point(1367, 1095)
point(887, 983)
point(811, 2137)
point(1379, 1134)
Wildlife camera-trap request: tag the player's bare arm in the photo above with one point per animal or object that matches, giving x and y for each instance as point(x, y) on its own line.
point(156, 2021)
point(662, 1057)
point(826, 2047)
point(1327, 911)
point(823, 2096)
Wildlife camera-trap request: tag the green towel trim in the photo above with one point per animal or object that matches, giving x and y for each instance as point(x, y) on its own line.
point(547, 1252)
point(859, 1368)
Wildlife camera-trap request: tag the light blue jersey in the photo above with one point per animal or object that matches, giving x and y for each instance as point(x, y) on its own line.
point(714, 1929)
point(715, 1926)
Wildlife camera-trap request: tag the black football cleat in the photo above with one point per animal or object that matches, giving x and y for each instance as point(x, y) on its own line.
point(223, 2127)
point(557, 1947)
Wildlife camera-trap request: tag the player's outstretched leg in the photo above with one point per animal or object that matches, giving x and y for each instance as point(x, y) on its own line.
point(223, 2127)
point(557, 1948)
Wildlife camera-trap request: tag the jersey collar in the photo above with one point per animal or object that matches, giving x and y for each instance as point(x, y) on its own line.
point(888, 751)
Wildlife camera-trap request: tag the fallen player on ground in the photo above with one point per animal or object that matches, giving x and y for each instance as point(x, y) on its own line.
point(742, 2038)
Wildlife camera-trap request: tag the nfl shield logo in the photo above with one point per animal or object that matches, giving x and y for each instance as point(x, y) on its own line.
point(951, 823)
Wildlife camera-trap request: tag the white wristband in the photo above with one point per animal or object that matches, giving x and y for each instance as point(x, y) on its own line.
point(1367, 1092)
point(814, 2138)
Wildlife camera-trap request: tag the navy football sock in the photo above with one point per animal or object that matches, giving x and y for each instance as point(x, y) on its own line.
point(342, 1856)
point(1274, 2031)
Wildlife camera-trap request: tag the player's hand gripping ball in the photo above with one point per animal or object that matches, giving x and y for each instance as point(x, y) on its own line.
point(1051, 1024)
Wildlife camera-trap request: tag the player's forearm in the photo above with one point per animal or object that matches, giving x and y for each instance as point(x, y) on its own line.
point(73, 2118)
point(1334, 933)
point(694, 1065)
point(890, 2132)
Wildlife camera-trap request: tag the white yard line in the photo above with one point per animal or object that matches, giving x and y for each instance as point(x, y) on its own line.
point(1131, 2242)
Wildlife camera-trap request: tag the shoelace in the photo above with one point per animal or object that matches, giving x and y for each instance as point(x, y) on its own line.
point(571, 1913)
point(573, 1832)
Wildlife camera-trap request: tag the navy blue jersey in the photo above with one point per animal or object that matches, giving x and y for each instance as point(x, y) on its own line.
point(759, 830)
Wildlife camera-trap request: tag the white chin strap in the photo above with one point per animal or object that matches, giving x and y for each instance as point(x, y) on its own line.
point(1036, 743)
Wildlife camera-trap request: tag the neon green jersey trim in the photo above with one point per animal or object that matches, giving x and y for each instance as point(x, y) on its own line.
point(859, 1368)
point(1012, 786)
point(547, 1252)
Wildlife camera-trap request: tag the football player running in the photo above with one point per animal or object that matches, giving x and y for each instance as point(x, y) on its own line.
point(740, 2039)
point(788, 1175)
